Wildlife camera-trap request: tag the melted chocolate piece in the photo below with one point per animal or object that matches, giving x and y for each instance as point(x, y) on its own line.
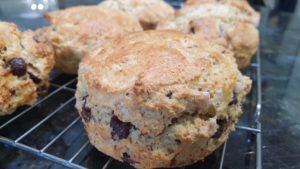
point(86, 111)
point(18, 66)
point(174, 120)
point(234, 100)
point(192, 30)
point(222, 123)
point(126, 158)
point(169, 94)
point(173, 161)
point(120, 130)
point(178, 142)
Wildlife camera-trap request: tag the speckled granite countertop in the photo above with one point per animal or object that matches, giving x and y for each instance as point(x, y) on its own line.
point(280, 65)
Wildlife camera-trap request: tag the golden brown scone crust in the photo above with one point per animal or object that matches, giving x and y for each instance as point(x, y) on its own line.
point(75, 30)
point(25, 65)
point(159, 99)
point(221, 23)
point(149, 12)
point(242, 5)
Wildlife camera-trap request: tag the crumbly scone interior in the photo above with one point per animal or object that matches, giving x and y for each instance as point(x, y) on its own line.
point(24, 68)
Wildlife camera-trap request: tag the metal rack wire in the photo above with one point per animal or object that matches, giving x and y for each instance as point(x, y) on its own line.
point(36, 137)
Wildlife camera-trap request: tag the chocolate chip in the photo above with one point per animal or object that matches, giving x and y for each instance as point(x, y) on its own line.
point(35, 79)
point(170, 151)
point(86, 111)
point(152, 25)
point(120, 130)
point(173, 161)
point(234, 100)
point(169, 94)
point(192, 30)
point(222, 123)
point(18, 66)
point(126, 158)
point(178, 141)
point(174, 120)
point(12, 92)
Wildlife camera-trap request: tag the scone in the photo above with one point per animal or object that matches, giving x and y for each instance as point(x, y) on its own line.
point(149, 12)
point(74, 31)
point(25, 64)
point(242, 5)
point(159, 99)
point(225, 24)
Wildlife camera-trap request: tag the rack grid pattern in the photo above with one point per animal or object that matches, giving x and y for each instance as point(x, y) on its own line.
point(62, 93)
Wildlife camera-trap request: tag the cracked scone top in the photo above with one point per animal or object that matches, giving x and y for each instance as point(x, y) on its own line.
point(159, 99)
point(75, 30)
point(228, 23)
point(149, 12)
point(25, 64)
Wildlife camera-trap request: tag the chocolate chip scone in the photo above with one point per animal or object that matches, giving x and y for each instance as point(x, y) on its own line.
point(74, 31)
point(159, 99)
point(225, 24)
point(149, 12)
point(242, 5)
point(24, 67)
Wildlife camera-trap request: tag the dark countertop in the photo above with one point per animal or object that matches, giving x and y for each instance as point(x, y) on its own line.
point(280, 66)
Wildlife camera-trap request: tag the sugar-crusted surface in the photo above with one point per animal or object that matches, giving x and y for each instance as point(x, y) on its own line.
point(167, 93)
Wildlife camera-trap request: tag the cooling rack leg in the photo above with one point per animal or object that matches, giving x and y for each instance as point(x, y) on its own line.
point(223, 155)
point(258, 148)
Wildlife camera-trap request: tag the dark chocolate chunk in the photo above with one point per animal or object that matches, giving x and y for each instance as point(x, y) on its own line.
point(18, 66)
point(169, 94)
point(192, 30)
point(126, 159)
point(120, 130)
point(222, 123)
point(86, 111)
point(174, 120)
point(234, 100)
point(152, 25)
point(35, 79)
point(173, 161)
point(178, 141)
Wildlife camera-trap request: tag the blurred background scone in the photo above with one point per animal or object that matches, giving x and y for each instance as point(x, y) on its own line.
point(149, 12)
point(25, 64)
point(242, 5)
point(159, 99)
point(74, 31)
point(228, 23)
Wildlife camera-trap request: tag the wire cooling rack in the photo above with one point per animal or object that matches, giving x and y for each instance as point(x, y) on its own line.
point(52, 129)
